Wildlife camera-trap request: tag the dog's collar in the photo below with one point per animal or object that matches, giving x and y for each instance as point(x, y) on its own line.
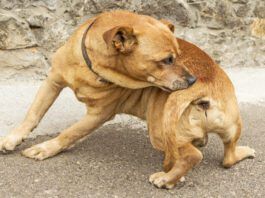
point(86, 57)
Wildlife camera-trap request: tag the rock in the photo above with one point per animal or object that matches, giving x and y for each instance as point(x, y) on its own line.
point(35, 16)
point(219, 14)
point(243, 11)
point(54, 35)
point(24, 64)
point(258, 28)
point(239, 1)
point(49, 4)
point(8, 5)
point(176, 10)
point(97, 6)
point(259, 10)
point(14, 32)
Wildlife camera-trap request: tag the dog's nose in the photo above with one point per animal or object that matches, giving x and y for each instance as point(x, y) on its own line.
point(191, 79)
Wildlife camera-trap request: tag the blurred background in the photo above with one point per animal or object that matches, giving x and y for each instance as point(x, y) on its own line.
point(230, 31)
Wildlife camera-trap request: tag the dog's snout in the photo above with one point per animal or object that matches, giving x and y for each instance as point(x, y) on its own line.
point(177, 85)
point(191, 79)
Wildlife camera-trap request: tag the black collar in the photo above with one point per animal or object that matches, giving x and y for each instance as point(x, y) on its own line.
point(85, 55)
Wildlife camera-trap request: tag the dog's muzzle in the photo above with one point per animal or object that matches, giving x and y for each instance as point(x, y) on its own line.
point(183, 84)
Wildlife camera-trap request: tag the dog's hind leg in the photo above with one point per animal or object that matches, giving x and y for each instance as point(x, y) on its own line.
point(45, 97)
point(232, 152)
point(69, 136)
point(189, 156)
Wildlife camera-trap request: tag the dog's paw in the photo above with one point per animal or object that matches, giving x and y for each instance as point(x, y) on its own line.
point(241, 153)
point(162, 180)
point(245, 152)
point(9, 142)
point(42, 151)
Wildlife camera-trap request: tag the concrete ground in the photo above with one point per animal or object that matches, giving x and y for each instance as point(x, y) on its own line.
point(117, 159)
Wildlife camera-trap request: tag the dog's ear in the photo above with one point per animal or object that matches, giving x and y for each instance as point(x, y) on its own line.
point(168, 24)
point(122, 38)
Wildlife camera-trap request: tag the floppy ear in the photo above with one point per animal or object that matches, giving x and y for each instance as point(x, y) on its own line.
point(168, 24)
point(122, 38)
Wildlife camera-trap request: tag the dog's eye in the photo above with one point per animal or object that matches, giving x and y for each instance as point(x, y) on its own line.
point(169, 60)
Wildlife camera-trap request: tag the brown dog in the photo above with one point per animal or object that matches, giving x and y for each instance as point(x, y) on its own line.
point(128, 52)
point(188, 114)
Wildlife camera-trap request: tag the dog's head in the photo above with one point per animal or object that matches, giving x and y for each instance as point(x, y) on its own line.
point(147, 51)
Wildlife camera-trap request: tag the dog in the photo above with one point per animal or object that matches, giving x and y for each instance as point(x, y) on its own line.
point(104, 62)
point(175, 119)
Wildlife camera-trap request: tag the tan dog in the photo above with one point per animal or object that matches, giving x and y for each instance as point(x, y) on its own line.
point(127, 51)
point(104, 100)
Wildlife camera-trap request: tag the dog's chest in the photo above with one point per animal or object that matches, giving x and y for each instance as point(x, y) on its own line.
point(96, 96)
point(90, 95)
point(84, 94)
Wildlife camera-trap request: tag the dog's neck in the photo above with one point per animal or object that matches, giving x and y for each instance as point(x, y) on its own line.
point(85, 55)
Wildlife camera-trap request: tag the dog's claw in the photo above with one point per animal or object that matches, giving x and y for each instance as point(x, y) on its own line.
point(35, 152)
point(161, 180)
point(42, 151)
point(246, 151)
point(9, 143)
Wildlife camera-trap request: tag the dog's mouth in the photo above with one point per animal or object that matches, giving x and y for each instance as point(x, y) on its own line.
point(179, 86)
point(172, 86)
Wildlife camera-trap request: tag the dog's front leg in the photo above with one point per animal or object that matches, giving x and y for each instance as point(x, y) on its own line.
point(189, 156)
point(67, 138)
point(45, 97)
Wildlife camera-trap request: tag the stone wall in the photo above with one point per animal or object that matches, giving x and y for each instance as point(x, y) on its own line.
point(31, 30)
